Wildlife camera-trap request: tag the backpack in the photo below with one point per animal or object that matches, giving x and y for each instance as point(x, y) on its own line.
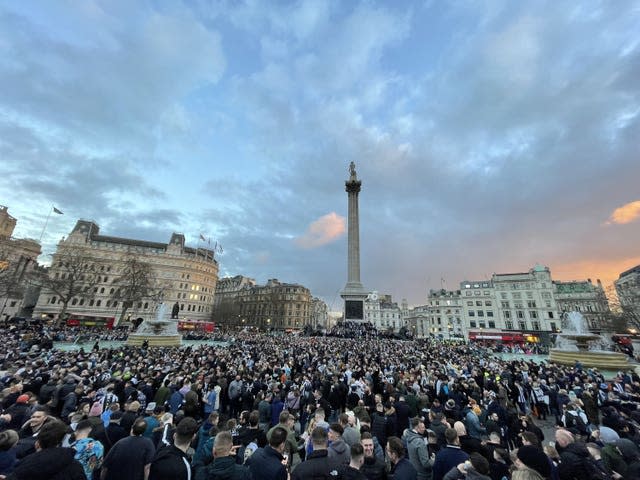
point(577, 422)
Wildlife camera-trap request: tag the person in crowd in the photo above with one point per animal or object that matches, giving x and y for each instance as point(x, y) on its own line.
point(268, 463)
point(450, 456)
point(353, 470)
point(224, 464)
point(417, 449)
point(317, 464)
point(401, 467)
point(89, 452)
point(338, 448)
point(171, 461)
point(131, 457)
point(8, 460)
point(476, 468)
point(50, 461)
point(373, 467)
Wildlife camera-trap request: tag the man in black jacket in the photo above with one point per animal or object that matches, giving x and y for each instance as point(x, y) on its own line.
point(374, 468)
point(318, 464)
point(268, 463)
point(50, 461)
point(172, 462)
point(224, 464)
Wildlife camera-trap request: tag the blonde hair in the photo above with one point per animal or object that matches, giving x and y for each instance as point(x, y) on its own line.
point(526, 474)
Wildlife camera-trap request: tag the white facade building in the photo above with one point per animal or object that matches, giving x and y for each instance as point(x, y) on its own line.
point(383, 313)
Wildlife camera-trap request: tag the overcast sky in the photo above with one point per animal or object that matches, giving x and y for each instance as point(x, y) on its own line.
point(489, 135)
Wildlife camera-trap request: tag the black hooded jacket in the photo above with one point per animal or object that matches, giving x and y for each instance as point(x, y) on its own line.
point(49, 464)
point(170, 463)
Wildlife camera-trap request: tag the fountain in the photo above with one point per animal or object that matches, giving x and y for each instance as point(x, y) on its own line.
point(158, 332)
point(576, 343)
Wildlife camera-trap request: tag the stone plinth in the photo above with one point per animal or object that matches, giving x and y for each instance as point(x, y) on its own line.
point(156, 333)
point(590, 358)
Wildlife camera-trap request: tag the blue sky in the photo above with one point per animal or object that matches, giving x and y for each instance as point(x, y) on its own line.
point(489, 136)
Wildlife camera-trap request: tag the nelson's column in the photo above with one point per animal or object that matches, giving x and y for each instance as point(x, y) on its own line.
point(353, 292)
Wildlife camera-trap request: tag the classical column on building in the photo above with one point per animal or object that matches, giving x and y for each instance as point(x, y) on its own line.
point(353, 293)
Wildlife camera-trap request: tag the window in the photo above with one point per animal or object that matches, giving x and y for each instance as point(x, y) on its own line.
point(529, 295)
point(102, 290)
point(487, 303)
point(468, 293)
point(533, 314)
point(487, 293)
point(553, 326)
point(520, 314)
point(492, 324)
point(482, 325)
point(481, 313)
point(550, 314)
point(531, 303)
point(472, 313)
point(535, 325)
point(507, 314)
point(508, 325)
point(477, 292)
point(470, 303)
point(98, 303)
point(503, 295)
point(472, 324)
point(489, 313)
point(516, 295)
point(522, 325)
point(53, 299)
point(478, 303)
point(505, 304)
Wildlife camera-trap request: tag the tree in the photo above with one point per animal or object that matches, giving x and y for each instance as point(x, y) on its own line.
point(71, 275)
point(137, 282)
point(624, 303)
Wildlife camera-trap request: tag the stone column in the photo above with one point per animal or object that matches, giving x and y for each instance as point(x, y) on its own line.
point(353, 276)
point(353, 293)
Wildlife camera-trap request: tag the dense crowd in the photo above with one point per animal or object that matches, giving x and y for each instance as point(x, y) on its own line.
point(278, 407)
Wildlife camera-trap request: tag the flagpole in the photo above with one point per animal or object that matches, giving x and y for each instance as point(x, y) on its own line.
point(46, 222)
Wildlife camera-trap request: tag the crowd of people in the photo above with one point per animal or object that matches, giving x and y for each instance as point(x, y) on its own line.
point(279, 407)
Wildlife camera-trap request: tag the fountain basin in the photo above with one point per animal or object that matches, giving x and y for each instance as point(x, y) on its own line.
point(590, 358)
point(138, 339)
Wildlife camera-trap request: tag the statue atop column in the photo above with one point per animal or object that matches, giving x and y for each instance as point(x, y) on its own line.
point(352, 171)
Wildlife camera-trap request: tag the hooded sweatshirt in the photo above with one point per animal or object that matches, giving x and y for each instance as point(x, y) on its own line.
point(49, 464)
point(339, 451)
point(418, 454)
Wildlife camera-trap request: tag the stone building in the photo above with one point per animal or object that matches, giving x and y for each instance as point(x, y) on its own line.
point(510, 307)
point(628, 291)
point(319, 314)
point(180, 274)
point(276, 305)
point(584, 297)
point(383, 313)
point(18, 263)
point(226, 307)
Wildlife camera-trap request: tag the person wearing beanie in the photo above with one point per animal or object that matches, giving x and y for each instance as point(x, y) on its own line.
point(534, 458)
point(476, 468)
point(631, 455)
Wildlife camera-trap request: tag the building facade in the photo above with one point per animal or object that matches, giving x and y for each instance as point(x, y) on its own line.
point(226, 306)
point(628, 291)
point(276, 305)
point(179, 275)
point(18, 264)
point(319, 314)
point(584, 297)
point(383, 313)
point(510, 307)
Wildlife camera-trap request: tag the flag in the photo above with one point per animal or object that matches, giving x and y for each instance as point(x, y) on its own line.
point(55, 210)
point(202, 238)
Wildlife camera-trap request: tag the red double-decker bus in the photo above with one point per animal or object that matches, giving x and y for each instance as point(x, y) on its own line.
point(196, 326)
